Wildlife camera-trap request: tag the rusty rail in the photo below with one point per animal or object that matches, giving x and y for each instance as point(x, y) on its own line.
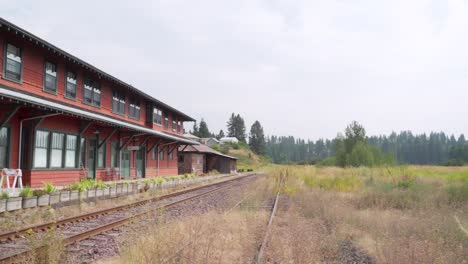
point(109, 226)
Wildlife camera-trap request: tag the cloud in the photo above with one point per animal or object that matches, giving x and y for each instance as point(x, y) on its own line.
point(304, 68)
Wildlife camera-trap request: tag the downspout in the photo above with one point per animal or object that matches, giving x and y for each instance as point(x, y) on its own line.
point(21, 133)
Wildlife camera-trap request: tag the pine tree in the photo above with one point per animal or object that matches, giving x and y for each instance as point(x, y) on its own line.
point(236, 127)
point(257, 138)
point(195, 129)
point(220, 135)
point(203, 131)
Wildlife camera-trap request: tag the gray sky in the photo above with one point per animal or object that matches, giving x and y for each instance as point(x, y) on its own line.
point(301, 67)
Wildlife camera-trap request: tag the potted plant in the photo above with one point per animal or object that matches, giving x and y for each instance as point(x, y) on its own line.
point(14, 203)
point(100, 185)
point(43, 197)
point(3, 201)
point(74, 191)
point(29, 200)
point(112, 189)
point(124, 188)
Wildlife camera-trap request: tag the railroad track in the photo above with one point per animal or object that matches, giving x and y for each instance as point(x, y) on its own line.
point(14, 247)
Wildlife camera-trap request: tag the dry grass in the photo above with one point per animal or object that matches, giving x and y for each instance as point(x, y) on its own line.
point(409, 221)
point(230, 238)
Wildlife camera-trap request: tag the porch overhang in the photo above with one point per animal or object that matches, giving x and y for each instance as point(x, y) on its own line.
point(22, 97)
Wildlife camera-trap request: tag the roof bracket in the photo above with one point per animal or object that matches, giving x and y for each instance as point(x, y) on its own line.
point(107, 138)
point(9, 116)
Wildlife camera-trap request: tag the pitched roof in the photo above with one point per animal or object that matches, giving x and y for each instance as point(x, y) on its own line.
point(33, 38)
point(204, 149)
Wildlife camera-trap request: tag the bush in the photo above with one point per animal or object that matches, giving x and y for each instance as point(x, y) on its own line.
point(26, 192)
point(5, 195)
point(39, 192)
point(49, 188)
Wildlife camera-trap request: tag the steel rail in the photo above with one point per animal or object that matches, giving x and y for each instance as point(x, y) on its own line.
point(11, 235)
point(124, 221)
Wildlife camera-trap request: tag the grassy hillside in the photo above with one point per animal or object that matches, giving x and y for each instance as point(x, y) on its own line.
point(246, 158)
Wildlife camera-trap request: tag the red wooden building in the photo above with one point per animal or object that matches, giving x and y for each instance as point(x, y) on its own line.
point(62, 119)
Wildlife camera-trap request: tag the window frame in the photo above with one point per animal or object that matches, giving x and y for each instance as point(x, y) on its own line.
point(135, 103)
point(117, 154)
point(161, 155)
point(77, 149)
point(44, 75)
point(155, 114)
point(9, 148)
point(49, 151)
point(114, 91)
point(104, 162)
point(66, 84)
point(166, 120)
point(98, 87)
point(4, 71)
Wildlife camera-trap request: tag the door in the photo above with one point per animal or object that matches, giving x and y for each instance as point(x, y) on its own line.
point(125, 164)
point(140, 163)
point(92, 158)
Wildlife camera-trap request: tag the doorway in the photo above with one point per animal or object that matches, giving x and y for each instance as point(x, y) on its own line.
point(140, 163)
point(125, 164)
point(92, 158)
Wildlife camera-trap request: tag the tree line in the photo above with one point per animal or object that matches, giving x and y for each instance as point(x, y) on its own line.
point(435, 148)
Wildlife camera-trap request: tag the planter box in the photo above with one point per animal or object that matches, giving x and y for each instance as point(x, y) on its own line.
point(113, 191)
point(14, 203)
point(29, 202)
point(3, 205)
point(92, 193)
point(83, 195)
point(124, 189)
point(54, 198)
point(130, 188)
point(118, 189)
point(43, 200)
point(99, 192)
point(140, 186)
point(106, 191)
point(64, 196)
point(74, 195)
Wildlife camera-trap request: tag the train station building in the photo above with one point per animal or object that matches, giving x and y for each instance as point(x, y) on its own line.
point(62, 119)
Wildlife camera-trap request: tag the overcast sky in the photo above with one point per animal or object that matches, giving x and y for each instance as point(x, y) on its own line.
point(301, 67)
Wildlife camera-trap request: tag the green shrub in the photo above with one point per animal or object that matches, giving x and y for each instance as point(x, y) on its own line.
point(39, 192)
point(26, 192)
point(5, 195)
point(49, 188)
point(100, 185)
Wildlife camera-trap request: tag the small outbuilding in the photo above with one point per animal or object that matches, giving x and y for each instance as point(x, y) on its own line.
point(203, 159)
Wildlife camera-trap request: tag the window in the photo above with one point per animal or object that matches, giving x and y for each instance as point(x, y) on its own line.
point(50, 77)
point(154, 153)
point(70, 85)
point(166, 121)
point(171, 155)
point(51, 148)
point(179, 126)
point(118, 103)
point(13, 63)
point(91, 93)
point(174, 124)
point(101, 162)
point(70, 154)
point(157, 116)
point(41, 153)
point(57, 150)
point(82, 152)
point(4, 147)
point(114, 154)
point(161, 154)
point(134, 109)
